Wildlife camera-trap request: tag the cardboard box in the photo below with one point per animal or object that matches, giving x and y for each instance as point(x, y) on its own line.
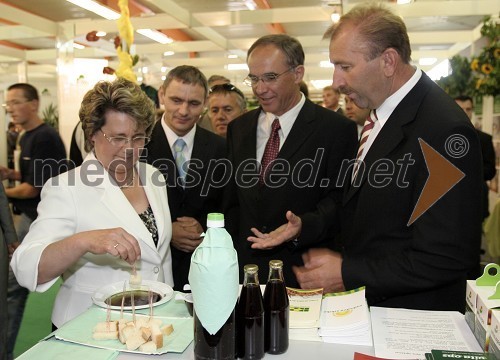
point(470, 304)
point(487, 289)
point(494, 345)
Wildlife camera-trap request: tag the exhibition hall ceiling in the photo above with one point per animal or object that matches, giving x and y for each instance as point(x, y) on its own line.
point(214, 35)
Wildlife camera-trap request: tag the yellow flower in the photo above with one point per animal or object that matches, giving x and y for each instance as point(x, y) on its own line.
point(474, 65)
point(496, 53)
point(124, 25)
point(478, 83)
point(125, 66)
point(487, 69)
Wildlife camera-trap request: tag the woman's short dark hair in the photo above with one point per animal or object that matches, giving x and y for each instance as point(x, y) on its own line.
point(122, 96)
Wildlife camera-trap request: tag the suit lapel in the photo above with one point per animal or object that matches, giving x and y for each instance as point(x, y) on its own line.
point(300, 131)
point(155, 203)
point(247, 150)
point(393, 131)
point(118, 205)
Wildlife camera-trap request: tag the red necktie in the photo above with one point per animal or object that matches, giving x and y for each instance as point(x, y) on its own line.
point(271, 150)
point(367, 129)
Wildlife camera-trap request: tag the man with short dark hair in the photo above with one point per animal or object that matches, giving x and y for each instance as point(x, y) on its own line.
point(186, 154)
point(7, 239)
point(331, 99)
point(286, 156)
point(42, 156)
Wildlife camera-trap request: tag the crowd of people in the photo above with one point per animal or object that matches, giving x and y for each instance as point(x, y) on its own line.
point(329, 191)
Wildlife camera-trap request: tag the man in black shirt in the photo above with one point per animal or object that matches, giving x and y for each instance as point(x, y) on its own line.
point(42, 156)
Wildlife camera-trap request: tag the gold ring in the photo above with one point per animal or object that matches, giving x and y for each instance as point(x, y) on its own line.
point(116, 245)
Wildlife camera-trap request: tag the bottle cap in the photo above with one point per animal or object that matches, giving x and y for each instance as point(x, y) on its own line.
point(215, 220)
point(250, 268)
point(274, 264)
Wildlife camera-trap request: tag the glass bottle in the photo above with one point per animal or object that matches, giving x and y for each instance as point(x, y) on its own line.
point(250, 316)
point(276, 310)
point(222, 344)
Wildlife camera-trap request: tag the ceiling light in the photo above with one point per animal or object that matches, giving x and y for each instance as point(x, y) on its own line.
point(168, 53)
point(320, 84)
point(403, 2)
point(96, 8)
point(156, 36)
point(427, 61)
point(250, 4)
point(337, 11)
point(163, 69)
point(325, 64)
point(232, 56)
point(237, 67)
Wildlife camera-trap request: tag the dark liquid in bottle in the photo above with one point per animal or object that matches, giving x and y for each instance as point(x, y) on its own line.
point(221, 345)
point(276, 319)
point(250, 323)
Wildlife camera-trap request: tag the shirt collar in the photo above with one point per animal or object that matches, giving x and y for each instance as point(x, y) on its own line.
point(385, 110)
point(287, 119)
point(171, 136)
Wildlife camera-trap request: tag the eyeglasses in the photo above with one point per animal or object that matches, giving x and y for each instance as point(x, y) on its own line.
point(120, 141)
point(225, 88)
point(15, 103)
point(269, 78)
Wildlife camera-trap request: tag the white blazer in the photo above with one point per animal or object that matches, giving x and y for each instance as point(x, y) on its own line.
point(86, 199)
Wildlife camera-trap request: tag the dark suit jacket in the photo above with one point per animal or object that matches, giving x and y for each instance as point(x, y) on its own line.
point(423, 265)
point(489, 170)
point(203, 191)
point(318, 142)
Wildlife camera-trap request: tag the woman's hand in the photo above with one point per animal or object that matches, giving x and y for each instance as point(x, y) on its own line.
point(59, 256)
point(116, 242)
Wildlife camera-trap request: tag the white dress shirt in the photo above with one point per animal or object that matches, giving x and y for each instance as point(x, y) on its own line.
point(286, 122)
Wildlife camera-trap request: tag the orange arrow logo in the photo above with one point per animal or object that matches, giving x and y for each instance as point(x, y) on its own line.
point(443, 176)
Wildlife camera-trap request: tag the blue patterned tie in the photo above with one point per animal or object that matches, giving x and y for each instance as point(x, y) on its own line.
point(179, 146)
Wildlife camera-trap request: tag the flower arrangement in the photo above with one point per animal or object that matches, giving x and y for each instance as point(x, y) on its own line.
point(123, 45)
point(486, 66)
point(460, 80)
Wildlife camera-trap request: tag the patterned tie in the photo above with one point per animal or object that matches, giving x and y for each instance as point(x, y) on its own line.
point(365, 133)
point(271, 150)
point(179, 146)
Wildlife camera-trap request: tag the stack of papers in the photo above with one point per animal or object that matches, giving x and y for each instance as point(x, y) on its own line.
point(411, 334)
point(345, 318)
point(305, 309)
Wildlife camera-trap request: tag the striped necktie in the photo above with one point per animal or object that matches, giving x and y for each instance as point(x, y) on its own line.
point(271, 151)
point(365, 133)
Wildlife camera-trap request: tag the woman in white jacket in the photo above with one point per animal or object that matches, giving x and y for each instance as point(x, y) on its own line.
point(96, 221)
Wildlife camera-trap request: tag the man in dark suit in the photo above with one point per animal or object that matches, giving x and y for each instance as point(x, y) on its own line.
point(487, 150)
point(331, 99)
point(416, 263)
point(193, 179)
point(277, 211)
